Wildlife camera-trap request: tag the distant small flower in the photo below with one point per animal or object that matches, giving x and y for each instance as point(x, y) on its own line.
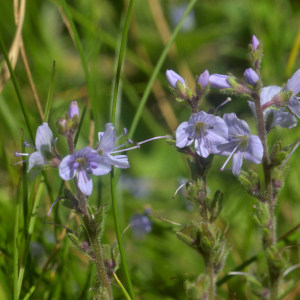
point(82, 163)
point(205, 129)
point(45, 146)
point(173, 77)
point(251, 77)
point(241, 144)
point(218, 81)
point(177, 12)
point(140, 225)
point(73, 110)
point(273, 117)
point(255, 42)
point(203, 79)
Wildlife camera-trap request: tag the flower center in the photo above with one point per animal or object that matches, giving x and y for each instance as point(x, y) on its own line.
point(199, 127)
point(243, 139)
point(100, 152)
point(81, 161)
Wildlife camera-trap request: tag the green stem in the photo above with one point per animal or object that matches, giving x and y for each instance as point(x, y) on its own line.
point(17, 88)
point(122, 287)
point(84, 64)
point(113, 119)
point(118, 232)
point(157, 69)
point(15, 243)
point(209, 268)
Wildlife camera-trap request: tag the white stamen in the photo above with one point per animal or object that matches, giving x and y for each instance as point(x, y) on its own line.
point(290, 269)
point(20, 162)
point(227, 160)
point(223, 103)
point(293, 150)
point(58, 199)
point(240, 273)
point(125, 132)
point(178, 189)
point(122, 145)
point(18, 154)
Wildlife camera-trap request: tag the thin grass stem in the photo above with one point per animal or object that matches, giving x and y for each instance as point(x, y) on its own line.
point(50, 93)
point(84, 64)
point(157, 69)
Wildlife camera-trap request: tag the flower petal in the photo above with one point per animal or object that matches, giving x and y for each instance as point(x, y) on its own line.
point(294, 106)
point(217, 132)
point(267, 93)
point(66, 170)
point(236, 126)
point(293, 84)
point(119, 161)
point(224, 149)
point(36, 159)
point(283, 119)
point(85, 182)
point(237, 162)
point(254, 151)
point(202, 147)
point(103, 168)
point(108, 139)
point(44, 138)
point(183, 135)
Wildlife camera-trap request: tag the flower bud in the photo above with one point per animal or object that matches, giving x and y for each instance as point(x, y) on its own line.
point(255, 42)
point(203, 79)
point(219, 81)
point(251, 77)
point(73, 110)
point(173, 77)
point(61, 126)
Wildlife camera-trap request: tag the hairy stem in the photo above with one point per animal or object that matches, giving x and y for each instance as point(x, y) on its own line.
point(209, 268)
point(271, 240)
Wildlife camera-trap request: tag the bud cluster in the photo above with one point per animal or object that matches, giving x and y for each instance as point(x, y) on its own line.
point(68, 125)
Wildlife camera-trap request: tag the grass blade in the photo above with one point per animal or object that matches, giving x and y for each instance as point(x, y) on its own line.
point(17, 88)
point(157, 69)
point(49, 97)
point(84, 64)
point(79, 126)
point(113, 119)
point(25, 189)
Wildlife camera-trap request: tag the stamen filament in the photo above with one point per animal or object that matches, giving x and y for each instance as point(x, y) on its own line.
point(124, 133)
point(223, 103)
point(19, 162)
point(155, 138)
point(227, 160)
point(58, 199)
point(178, 189)
point(118, 147)
point(18, 154)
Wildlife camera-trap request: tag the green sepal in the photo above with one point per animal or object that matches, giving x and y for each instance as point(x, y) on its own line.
point(216, 205)
point(82, 234)
point(99, 220)
point(256, 286)
point(245, 182)
point(181, 88)
point(199, 289)
point(232, 81)
point(49, 156)
point(190, 235)
point(78, 245)
point(68, 203)
point(189, 93)
point(277, 154)
point(193, 189)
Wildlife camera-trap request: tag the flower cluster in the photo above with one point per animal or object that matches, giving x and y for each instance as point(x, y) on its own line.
point(81, 163)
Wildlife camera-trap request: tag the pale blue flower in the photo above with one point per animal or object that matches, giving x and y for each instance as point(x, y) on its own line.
point(141, 225)
point(82, 163)
point(255, 42)
point(205, 129)
point(241, 144)
point(106, 147)
point(73, 110)
point(293, 85)
point(251, 77)
point(273, 117)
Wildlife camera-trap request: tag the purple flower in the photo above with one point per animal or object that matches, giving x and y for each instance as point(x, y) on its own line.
point(255, 42)
point(251, 77)
point(73, 110)
point(107, 147)
point(293, 85)
point(203, 79)
point(241, 144)
point(173, 77)
point(45, 154)
point(82, 163)
point(219, 81)
point(274, 117)
point(205, 129)
point(140, 225)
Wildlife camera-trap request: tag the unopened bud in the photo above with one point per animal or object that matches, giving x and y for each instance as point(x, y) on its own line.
point(173, 78)
point(73, 110)
point(61, 126)
point(255, 42)
point(203, 79)
point(219, 81)
point(251, 77)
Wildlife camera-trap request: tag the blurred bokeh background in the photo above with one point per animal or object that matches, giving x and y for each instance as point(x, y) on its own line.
point(215, 36)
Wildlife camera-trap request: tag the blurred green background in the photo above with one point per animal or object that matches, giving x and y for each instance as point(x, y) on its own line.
point(215, 36)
